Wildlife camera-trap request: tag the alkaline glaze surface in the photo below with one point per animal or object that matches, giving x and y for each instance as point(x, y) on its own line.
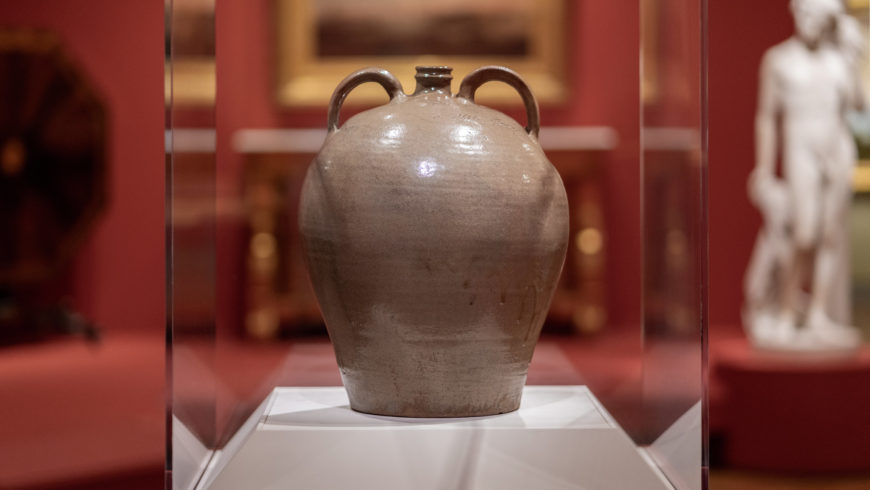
point(435, 231)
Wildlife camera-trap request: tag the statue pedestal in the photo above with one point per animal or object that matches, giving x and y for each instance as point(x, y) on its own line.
point(829, 340)
point(793, 412)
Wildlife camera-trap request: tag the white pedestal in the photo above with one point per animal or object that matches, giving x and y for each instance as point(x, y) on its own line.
point(308, 438)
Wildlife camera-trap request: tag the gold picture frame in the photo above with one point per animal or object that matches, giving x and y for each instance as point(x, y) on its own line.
point(860, 9)
point(649, 50)
point(307, 78)
point(189, 76)
point(190, 81)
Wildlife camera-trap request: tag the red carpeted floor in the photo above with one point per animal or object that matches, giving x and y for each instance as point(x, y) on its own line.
point(91, 416)
point(78, 415)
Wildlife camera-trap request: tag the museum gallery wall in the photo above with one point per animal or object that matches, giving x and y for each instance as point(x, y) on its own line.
point(118, 279)
point(106, 398)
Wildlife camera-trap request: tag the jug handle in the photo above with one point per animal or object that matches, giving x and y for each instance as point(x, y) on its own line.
point(387, 80)
point(484, 74)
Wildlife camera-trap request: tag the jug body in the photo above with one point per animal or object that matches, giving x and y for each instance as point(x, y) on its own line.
point(435, 231)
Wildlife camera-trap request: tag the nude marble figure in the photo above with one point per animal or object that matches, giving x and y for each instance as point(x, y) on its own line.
point(808, 83)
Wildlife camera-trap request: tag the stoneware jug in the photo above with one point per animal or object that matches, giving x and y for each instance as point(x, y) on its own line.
point(434, 230)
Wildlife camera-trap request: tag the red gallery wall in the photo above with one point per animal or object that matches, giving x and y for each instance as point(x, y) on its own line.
point(118, 278)
point(76, 416)
point(601, 54)
point(739, 33)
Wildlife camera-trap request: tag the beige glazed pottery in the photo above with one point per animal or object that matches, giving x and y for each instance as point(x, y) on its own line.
point(434, 230)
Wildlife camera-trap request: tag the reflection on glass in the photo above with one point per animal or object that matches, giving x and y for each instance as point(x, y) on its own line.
point(191, 254)
point(241, 196)
point(674, 232)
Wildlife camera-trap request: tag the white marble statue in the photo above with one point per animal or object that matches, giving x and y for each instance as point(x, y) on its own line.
point(797, 280)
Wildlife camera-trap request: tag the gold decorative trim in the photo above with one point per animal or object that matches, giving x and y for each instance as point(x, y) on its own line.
point(861, 177)
point(649, 50)
point(194, 81)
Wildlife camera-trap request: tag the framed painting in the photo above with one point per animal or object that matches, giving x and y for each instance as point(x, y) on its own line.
point(322, 41)
point(860, 121)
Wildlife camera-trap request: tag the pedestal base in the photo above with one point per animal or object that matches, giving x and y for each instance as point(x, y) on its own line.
point(560, 438)
point(793, 412)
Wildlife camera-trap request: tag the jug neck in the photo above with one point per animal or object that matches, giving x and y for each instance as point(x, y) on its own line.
point(433, 78)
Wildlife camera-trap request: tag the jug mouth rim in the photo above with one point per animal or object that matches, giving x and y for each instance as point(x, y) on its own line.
point(429, 78)
point(431, 70)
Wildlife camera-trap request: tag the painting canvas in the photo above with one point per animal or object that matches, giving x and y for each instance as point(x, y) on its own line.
point(321, 41)
point(449, 27)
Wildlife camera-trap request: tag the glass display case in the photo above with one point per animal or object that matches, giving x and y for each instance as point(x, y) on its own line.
point(615, 394)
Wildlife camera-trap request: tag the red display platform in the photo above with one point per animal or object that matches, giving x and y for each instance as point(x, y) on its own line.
point(792, 412)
